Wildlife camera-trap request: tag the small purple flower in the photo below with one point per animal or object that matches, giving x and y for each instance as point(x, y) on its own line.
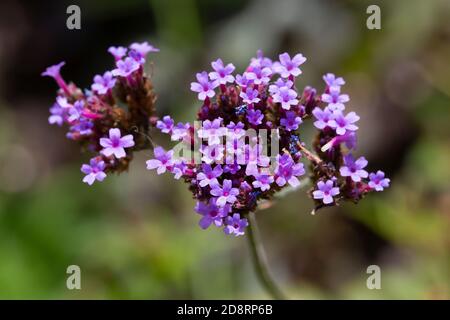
point(259, 75)
point(260, 61)
point(212, 130)
point(225, 194)
point(211, 213)
point(94, 170)
point(289, 67)
point(115, 144)
point(180, 131)
point(208, 177)
point(287, 171)
point(255, 117)
point(243, 80)
point(62, 101)
point(222, 74)
point(291, 121)
point(263, 181)
point(235, 130)
point(280, 83)
point(165, 125)
point(178, 169)
point(335, 99)
point(326, 191)
point(250, 95)
point(378, 181)
point(344, 124)
point(117, 52)
point(125, 67)
point(163, 160)
point(354, 169)
point(143, 48)
point(212, 153)
point(235, 225)
point(324, 118)
point(286, 97)
point(331, 80)
point(102, 84)
point(204, 87)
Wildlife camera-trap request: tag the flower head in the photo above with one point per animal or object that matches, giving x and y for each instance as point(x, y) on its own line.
point(332, 81)
point(211, 213)
point(208, 177)
point(335, 99)
point(118, 52)
point(286, 96)
point(344, 123)
point(255, 117)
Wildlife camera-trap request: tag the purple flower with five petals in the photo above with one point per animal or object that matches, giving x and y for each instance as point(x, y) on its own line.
point(204, 87)
point(291, 121)
point(289, 67)
point(94, 170)
point(343, 124)
point(125, 67)
point(222, 74)
point(286, 97)
point(225, 194)
point(259, 75)
point(287, 171)
point(250, 95)
point(211, 213)
point(335, 99)
point(255, 117)
point(354, 169)
point(208, 177)
point(235, 225)
point(326, 191)
point(163, 160)
point(165, 125)
point(115, 144)
point(378, 181)
point(324, 118)
point(263, 181)
point(102, 84)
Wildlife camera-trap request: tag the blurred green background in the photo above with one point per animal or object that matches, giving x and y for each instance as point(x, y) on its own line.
point(136, 235)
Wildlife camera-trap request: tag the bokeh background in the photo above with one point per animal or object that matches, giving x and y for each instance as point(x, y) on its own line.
point(136, 235)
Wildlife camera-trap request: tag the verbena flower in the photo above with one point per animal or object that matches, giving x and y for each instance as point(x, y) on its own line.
point(354, 169)
point(228, 167)
point(113, 119)
point(94, 170)
point(326, 191)
point(116, 144)
point(378, 181)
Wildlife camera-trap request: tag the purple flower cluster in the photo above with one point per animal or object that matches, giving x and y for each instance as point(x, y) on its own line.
point(232, 170)
point(233, 173)
point(94, 118)
point(338, 176)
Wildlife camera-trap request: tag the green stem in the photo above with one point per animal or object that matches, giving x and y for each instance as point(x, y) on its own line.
point(259, 259)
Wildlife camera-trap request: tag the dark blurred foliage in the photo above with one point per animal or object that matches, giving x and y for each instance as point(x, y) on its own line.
point(136, 235)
